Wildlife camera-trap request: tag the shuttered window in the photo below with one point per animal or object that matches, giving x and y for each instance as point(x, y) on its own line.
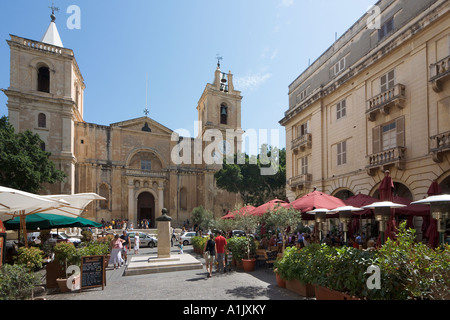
point(386, 29)
point(342, 153)
point(341, 109)
point(389, 135)
point(387, 81)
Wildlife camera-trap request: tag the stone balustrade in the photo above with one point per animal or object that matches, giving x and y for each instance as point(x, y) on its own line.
point(147, 173)
point(383, 159)
point(440, 143)
point(300, 181)
point(384, 101)
point(302, 142)
point(439, 72)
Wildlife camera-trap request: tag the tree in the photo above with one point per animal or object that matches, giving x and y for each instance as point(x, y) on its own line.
point(204, 219)
point(23, 163)
point(248, 179)
point(282, 219)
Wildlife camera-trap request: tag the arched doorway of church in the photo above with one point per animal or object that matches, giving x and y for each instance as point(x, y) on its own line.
point(146, 208)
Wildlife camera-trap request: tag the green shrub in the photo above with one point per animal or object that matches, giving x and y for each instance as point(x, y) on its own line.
point(199, 243)
point(16, 282)
point(30, 257)
point(94, 248)
point(66, 254)
point(238, 247)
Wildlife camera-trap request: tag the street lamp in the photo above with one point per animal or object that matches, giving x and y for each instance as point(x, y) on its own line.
point(440, 210)
point(382, 214)
point(320, 216)
point(345, 215)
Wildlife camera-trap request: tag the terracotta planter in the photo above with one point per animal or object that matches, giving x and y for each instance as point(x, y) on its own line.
point(248, 264)
point(62, 284)
point(280, 282)
point(304, 290)
point(323, 293)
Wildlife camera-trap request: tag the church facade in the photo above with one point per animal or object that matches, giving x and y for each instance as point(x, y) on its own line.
point(139, 166)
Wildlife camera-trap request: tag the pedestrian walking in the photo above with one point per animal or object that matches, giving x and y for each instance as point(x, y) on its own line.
point(137, 241)
point(126, 245)
point(209, 252)
point(221, 244)
point(116, 251)
point(181, 248)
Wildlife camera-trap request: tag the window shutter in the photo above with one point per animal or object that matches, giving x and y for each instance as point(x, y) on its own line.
point(383, 82)
point(376, 139)
point(400, 124)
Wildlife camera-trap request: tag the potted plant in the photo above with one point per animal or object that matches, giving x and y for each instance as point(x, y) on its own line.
point(282, 219)
point(66, 254)
point(248, 223)
point(17, 282)
point(293, 268)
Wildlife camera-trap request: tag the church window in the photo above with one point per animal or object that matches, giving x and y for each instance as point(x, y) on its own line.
point(44, 79)
point(146, 165)
point(223, 114)
point(43, 146)
point(42, 120)
point(183, 198)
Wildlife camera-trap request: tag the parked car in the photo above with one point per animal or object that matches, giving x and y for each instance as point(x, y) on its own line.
point(62, 237)
point(186, 238)
point(146, 239)
point(238, 233)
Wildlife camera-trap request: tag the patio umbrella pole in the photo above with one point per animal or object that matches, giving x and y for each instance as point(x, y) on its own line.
point(24, 229)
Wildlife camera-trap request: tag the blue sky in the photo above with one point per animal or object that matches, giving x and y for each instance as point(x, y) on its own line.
point(265, 44)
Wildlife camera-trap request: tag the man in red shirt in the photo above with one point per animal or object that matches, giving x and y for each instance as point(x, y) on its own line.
point(221, 244)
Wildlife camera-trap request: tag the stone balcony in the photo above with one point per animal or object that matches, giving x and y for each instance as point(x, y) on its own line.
point(384, 101)
point(440, 144)
point(301, 143)
point(147, 173)
point(301, 181)
point(385, 159)
point(439, 73)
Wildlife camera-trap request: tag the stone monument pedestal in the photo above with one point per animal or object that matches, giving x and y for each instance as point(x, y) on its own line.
point(164, 235)
point(164, 261)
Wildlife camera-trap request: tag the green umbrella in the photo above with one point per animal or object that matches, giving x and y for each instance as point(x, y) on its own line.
point(44, 221)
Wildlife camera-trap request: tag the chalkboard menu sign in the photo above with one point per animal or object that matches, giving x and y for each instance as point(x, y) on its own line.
point(92, 272)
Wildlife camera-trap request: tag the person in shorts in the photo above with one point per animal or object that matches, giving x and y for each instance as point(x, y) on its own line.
point(221, 244)
point(209, 253)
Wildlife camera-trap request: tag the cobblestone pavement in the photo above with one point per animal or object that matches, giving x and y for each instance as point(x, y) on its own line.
point(183, 285)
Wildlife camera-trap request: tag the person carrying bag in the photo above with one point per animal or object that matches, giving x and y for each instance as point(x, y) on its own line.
point(209, 253)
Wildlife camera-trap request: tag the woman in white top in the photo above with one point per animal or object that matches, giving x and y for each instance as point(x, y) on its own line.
point(136, 243)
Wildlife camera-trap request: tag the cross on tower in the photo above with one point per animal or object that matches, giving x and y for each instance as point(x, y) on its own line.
point(219, 58)
point(53, 11)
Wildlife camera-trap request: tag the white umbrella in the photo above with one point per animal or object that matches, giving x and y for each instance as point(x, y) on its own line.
point(20, 203)
point(384, 204)
point(76, 203)
point(431, 199)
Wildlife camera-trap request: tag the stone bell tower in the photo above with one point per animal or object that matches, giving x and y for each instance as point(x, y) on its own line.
point(46, 96)
point(219, 110)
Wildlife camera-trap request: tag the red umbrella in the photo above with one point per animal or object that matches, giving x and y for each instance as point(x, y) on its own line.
point(386, 193)
point(243, 211)
point(361, 200)
point(316, 200)
point(272, 204)
point(411, 209)
point(435, 189)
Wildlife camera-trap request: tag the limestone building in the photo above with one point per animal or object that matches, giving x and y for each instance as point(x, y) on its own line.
point(378, 99)
point(135, 164)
